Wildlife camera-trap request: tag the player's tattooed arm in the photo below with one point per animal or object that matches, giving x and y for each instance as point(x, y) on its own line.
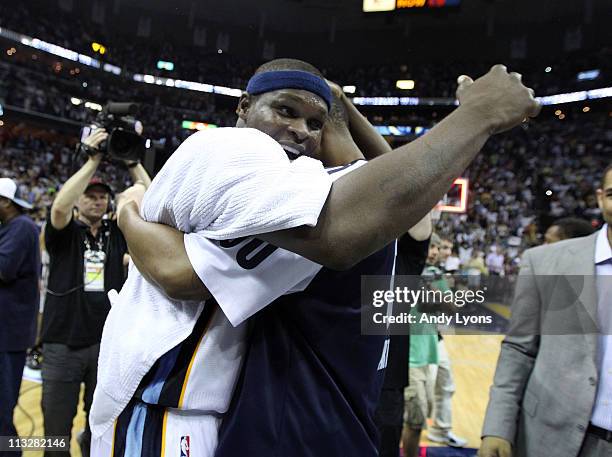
point(158, 251)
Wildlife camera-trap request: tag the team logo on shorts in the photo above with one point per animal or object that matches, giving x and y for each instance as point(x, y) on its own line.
point(185, 445)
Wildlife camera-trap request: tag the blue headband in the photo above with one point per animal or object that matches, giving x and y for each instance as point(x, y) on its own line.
point(290, 79)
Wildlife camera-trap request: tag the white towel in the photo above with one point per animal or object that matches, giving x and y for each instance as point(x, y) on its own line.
point(223, 183)
point(234, 182)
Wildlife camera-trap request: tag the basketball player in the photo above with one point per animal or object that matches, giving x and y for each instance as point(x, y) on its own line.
point(343, 376)
point(169, 412)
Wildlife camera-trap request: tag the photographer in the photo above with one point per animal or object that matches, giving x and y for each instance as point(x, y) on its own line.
point(86, 252)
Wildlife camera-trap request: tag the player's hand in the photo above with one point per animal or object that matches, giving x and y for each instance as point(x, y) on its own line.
point(132, 195)
point(499, 98)
point(93, 141)
point(335, 88)
point(493, 446)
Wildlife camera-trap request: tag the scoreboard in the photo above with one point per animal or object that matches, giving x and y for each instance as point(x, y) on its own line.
point(371, 6)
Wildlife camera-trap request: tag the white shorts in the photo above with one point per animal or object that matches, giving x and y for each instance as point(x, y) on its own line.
point(150, 431)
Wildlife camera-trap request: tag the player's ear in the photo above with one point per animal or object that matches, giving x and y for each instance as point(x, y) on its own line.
point(243, 106)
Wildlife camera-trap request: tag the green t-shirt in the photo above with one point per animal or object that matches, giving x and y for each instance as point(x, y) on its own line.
point(423, 335)
point(423, 350)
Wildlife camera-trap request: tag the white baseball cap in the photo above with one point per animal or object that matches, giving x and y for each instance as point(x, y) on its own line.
point(10, 190)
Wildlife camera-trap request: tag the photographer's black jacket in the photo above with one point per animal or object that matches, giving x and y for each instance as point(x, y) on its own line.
point(77, 318)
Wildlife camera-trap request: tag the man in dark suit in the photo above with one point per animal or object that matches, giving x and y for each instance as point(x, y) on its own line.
point(19, 299)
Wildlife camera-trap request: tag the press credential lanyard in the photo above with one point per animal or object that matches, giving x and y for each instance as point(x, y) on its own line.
point(93, 266)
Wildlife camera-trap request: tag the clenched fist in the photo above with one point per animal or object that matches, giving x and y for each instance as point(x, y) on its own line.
point(492, 446)
point(499, 97)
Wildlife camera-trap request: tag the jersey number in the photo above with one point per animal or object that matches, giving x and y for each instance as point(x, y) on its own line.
point(250, 255)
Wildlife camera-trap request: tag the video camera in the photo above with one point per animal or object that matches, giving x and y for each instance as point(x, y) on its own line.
point(125, 140)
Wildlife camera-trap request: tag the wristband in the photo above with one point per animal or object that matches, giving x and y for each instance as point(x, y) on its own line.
point(88, 149)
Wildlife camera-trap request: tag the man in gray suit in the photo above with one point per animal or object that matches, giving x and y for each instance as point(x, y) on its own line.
point(552, 392)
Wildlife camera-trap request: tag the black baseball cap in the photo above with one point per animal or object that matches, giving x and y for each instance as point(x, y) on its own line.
point(98, 182)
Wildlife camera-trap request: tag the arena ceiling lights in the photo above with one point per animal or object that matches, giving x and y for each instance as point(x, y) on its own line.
point(221, 90)
point(58, 51)
point(189, 85)
point(164, 65)
point(99, 48)
point(576, 96)
point(193, 125)
point(405, 84)
point(404, 101)
point(588, 75)
point(400, 130)
point(557, 99)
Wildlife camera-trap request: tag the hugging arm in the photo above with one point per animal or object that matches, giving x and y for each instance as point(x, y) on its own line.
point(348, 135)
point(158, 251)
point(369, 141)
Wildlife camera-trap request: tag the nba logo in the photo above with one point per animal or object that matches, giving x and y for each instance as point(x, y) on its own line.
point(185, 446)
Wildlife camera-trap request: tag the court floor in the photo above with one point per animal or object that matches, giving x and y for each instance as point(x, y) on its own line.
point(473, 358)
